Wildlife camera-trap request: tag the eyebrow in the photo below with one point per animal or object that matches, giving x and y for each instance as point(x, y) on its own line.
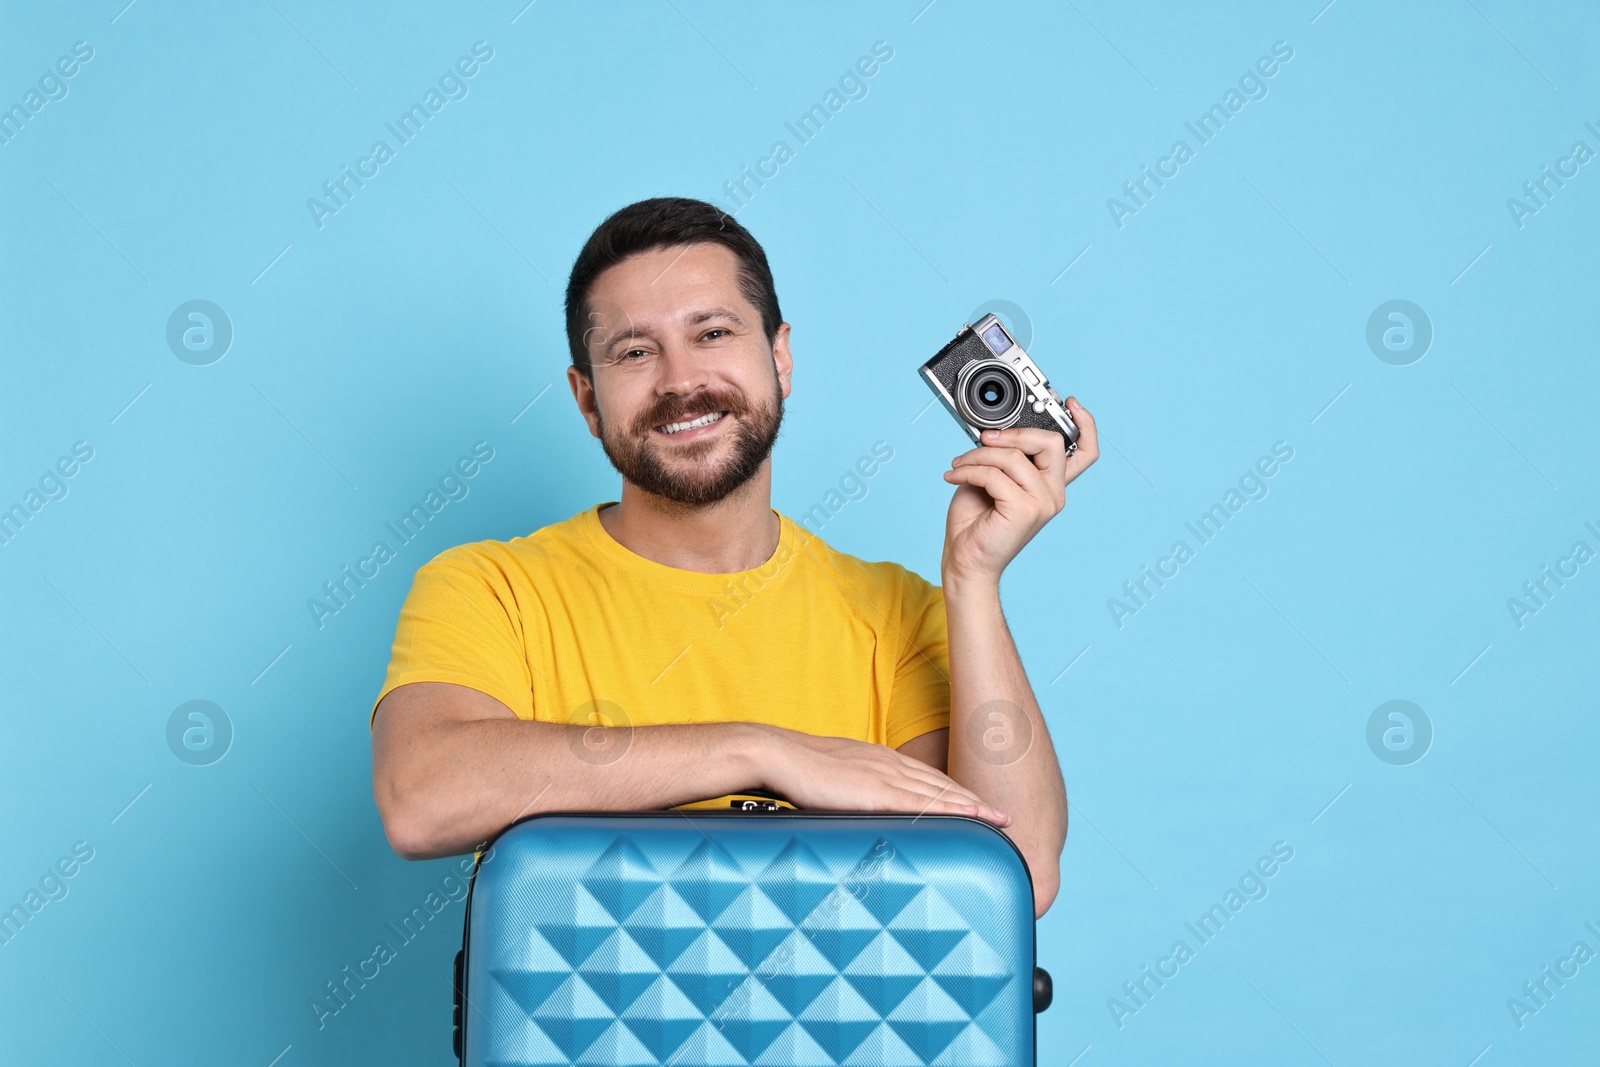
point(704, 315)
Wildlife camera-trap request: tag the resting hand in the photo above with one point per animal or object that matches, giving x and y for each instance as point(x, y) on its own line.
point(843, 774)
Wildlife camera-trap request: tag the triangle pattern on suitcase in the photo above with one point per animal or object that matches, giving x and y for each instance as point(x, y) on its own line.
point(532, 972)
point(887, 883)
point(620, 878)
point(707, 972)
point(708, 880)
point(971, 1048)
point(840, 1019)
point(524, 1045)
point(752, 926)
point(618, 971)
point(841, 928)
point(664, 925)
point(884, 973)
point(751, 1019)
point(529, 989)
point(884, 1048)
point(573, 1016)
point(973, 974)
point(808, 963)
point(662, 1018)
point(929, 927)
point(576, 927)
point(796, 880)
point(796, 973)
point(928, 1020)
point(707, 1047)
point(618, 1047)
point(794, 1046)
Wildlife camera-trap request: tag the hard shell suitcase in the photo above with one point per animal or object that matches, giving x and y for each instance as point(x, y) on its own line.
point(749, 935)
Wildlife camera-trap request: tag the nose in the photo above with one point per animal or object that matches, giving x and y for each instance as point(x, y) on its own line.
point(679, 370)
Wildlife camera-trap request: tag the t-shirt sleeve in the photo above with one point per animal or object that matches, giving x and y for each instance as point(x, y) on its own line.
point(460, 624)
point(920, 700)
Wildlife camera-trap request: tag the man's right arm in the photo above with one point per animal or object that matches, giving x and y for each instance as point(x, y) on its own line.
point(452, 767)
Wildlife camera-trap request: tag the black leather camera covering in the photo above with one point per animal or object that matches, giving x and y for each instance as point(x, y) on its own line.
point(968, 347)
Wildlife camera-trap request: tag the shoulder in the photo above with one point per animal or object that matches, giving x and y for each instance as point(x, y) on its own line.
point(524, 555)
point(888, 582)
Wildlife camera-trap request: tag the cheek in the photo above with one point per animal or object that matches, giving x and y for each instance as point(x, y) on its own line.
point(762, 388)
point(621, 408)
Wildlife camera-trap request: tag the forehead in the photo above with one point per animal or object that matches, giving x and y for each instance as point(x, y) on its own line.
point(656, 287)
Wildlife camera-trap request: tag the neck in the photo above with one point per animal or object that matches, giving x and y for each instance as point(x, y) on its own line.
point(737, 533)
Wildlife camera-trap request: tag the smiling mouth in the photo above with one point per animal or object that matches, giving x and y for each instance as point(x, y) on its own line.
point(709, 419)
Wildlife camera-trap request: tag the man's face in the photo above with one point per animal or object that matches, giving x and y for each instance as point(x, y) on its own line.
point(672, 340)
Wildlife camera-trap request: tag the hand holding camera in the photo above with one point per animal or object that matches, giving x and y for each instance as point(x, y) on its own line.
point(1031, 443)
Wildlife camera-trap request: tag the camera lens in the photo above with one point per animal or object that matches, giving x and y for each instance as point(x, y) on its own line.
point(989, 393)
point(996, 339)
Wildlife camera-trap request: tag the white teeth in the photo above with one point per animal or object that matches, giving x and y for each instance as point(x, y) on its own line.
point(704, 420)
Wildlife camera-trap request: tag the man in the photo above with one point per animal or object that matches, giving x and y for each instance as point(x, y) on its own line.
point(687, 641)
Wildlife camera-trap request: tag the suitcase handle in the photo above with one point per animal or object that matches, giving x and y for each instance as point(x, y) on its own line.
point(455, 1037)
point(768, 803)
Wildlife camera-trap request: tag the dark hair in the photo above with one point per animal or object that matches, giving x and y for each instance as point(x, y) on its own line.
point(658, 223)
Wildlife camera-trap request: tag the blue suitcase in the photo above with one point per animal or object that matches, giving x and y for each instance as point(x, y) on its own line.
point(750, 935)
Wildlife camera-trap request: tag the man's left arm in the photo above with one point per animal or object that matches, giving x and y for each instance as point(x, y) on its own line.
point(1009, 488)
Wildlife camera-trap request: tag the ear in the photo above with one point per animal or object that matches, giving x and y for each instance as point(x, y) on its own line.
point(583, 393)
point(782, 358)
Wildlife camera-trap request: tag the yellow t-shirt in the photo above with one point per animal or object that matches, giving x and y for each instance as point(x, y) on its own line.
point(566, 625)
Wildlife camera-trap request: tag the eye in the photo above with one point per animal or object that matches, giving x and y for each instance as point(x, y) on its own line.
point(718, 329)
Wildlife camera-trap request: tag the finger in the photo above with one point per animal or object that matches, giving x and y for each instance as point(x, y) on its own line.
point(1050, 456)
point(1088, 435)
point(934, 779)
point(937, 782)
point(1045, 449)
point(1014, 463)
point(1079, 413)
point(933, 786)
point(906, 795)
point(980, 810)
point(946, 806)
point(992, 480)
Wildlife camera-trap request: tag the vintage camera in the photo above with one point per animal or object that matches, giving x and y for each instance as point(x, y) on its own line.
point(987, 382)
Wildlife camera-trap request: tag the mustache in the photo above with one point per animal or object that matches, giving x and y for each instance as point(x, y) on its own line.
point(699, 404)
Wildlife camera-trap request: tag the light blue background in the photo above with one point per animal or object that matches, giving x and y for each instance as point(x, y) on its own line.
point(1228, 714)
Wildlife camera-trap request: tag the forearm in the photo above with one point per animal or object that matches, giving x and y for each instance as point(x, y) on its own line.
point(450, 787)
point(999, 745)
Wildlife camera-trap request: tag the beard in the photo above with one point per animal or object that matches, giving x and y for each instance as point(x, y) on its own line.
point(685, 473)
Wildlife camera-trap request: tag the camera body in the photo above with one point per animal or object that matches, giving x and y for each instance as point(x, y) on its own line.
point(988, 382)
